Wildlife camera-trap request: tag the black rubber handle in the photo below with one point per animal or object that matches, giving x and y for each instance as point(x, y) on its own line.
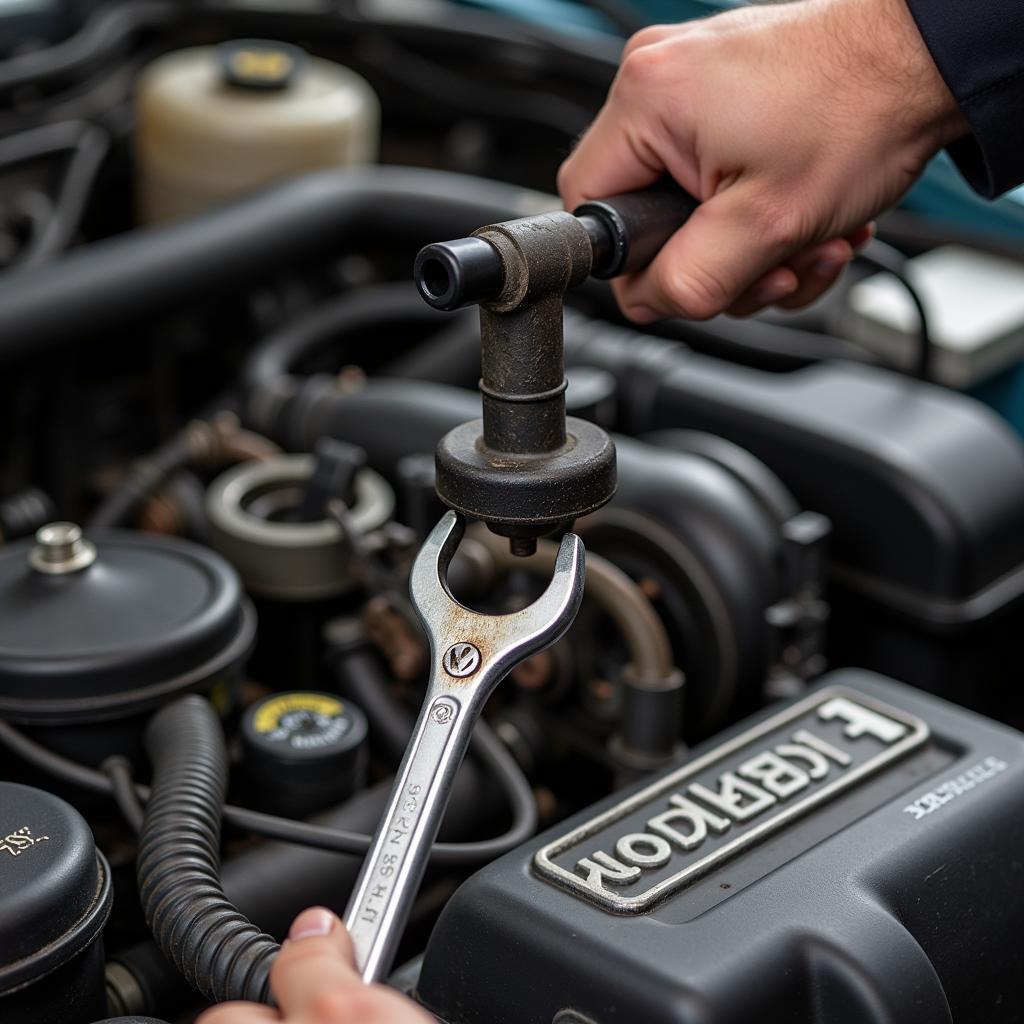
point(626, 232)
point(636, 225)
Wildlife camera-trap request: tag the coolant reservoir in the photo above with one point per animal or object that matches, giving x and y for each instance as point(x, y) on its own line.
point(219, 121)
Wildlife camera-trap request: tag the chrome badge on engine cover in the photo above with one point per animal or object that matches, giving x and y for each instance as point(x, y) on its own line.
point(733, 797)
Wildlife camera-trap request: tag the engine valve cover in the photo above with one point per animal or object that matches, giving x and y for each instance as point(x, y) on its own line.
point(850, 858)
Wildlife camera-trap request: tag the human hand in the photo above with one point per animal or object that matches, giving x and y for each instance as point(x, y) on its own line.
point(314, 981)
point(796, 124)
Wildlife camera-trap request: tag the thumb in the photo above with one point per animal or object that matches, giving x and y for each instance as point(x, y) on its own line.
point(316, 959)
point(724, 248)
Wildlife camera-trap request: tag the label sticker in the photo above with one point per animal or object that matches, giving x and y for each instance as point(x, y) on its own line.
point(676, 830)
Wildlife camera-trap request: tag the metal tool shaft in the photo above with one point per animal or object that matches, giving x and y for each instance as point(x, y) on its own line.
point(470, 654)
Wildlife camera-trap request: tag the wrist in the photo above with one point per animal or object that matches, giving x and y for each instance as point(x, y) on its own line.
point(888, 49)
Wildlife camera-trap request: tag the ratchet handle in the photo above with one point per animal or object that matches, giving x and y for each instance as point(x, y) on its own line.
point(390, 878)
point(628, 231)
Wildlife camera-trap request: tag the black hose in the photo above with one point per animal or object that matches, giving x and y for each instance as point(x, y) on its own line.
point(361, 678)
point(143, 478)
point(73, 197)
point(452, 356)
point(219, 951)
point(96, 42)
point(119, 770)
point(143, 273)
point(285, 830)
point(46, 140)
point(374, 307)
point(272, 882)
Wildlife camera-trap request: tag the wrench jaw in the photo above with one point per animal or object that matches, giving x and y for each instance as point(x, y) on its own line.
point(501, 641)
point(428, 582)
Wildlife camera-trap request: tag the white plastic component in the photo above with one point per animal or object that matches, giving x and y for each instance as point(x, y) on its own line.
point(202, 140)
point(975, 306)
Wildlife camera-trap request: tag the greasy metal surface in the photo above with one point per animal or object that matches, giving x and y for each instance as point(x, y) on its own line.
point(522, 472)
point(470, 654)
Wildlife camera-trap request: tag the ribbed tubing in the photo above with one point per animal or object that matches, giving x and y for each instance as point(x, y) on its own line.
point(219, 951)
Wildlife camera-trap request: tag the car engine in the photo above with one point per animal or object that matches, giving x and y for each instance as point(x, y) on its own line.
point(287, 310)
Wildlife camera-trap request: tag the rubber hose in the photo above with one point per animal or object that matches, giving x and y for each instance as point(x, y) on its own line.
point(650, 650)
point(375, 307)
point(143, 478)
point(219, 951)
point(141, 274)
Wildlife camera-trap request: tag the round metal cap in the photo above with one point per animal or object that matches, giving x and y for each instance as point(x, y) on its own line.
point(148, 616)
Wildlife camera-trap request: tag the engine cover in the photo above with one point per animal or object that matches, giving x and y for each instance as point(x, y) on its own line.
point(850, 859)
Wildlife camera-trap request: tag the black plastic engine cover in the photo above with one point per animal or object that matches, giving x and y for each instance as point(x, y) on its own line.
point(851, 859)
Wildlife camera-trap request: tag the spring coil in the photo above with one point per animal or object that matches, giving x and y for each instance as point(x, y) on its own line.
point(219, 951)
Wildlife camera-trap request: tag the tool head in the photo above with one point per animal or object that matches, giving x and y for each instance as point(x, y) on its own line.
point(499, 641)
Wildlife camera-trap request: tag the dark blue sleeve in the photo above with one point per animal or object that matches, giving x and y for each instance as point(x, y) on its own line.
point(978, 46)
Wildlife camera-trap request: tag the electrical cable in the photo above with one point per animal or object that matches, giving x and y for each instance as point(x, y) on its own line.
point(891, 261)
point(98, 40)
point(89, 145)
point(87, 159)
point(143, 478)
point(119, 770)
point(490, 750)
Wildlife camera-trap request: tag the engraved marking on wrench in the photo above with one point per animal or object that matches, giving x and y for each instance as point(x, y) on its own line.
point(461, 660)
point(403, 822)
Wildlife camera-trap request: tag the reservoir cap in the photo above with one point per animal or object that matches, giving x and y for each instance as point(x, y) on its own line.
point(105, 625)
point(304, 750)
point(55, 890)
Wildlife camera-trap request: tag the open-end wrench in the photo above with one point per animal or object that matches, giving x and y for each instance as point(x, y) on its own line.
point(470, 653)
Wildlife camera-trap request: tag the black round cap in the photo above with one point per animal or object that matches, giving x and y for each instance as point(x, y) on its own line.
point(259, 65)
point(305, 743)
point(55, 891)
point(149, 617)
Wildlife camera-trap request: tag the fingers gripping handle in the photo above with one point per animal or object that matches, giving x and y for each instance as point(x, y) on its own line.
point(628, 231)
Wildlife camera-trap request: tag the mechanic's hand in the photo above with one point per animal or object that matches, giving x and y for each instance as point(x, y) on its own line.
point(314, 982)
point(796, 124)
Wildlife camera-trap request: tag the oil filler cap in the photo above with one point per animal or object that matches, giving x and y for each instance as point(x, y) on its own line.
point(304, 750)
point(55, 895)
point(107, 625)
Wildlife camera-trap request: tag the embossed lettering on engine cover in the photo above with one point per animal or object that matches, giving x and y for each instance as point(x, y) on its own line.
point(745, 790)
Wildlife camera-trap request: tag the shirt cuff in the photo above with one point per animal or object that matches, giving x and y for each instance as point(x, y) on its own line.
point(978, 48)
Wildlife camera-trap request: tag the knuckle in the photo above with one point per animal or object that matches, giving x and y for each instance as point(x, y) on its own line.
point(696, 295)
point(642, 69)
point(645, 37)
point(779, 223)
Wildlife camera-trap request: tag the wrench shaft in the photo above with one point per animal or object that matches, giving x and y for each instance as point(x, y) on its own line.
point(383, 898)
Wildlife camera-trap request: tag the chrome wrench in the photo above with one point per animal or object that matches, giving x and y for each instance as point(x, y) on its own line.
point(470, 653)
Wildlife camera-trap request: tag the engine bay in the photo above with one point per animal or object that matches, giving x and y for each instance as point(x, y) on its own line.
point(769, 772)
